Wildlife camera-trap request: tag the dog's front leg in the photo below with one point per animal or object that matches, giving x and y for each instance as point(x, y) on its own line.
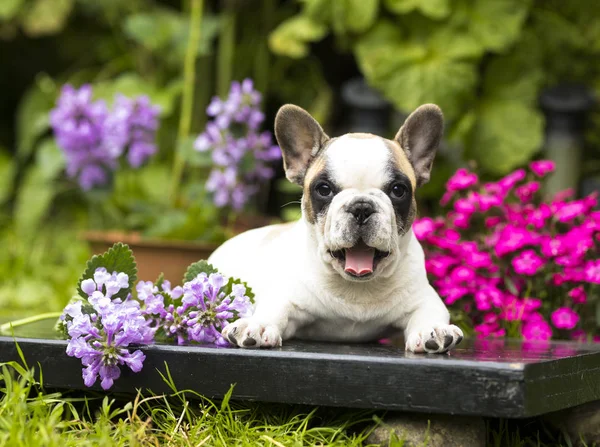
point(264, 329)
point(427, 328)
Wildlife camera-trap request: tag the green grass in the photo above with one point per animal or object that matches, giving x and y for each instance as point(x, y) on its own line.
point(31, 416)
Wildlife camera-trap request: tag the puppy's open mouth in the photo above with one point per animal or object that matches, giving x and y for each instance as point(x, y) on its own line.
point(361, 260)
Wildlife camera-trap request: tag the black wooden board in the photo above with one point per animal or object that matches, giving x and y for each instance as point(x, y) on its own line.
point(499, 378)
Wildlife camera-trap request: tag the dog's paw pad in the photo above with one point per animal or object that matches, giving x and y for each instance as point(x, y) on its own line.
point(246, 333)
point(435, 340)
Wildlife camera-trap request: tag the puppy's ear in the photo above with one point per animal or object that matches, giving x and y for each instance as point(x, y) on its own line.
point(300, 138)
point(420, 137)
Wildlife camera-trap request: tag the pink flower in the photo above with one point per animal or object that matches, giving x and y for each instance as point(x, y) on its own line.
point(453, 294)
point(542, 167)
point(461, 220)
point(553, 247)
point(592, 272)
point(517, 310)
point(564, 318)
point(491, 329)
point(578, 295)
point(491, 222)
point(446, 197)
point(512, 238)
point(564, 212)
point(512, 179)
point(462, 274)
point(423, 228)
point(527, 263)
point(579, 335)
point(466, 206)
point(487, 297)
point(537, 329)
point(526, 192)
point(439, 265)
point(538, 216)
point(485, 201)
point(462, 179)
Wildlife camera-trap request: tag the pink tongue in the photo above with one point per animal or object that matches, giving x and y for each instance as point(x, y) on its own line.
point(359, 260)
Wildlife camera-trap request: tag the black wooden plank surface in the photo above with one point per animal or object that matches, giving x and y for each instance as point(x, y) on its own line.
point(499, 378)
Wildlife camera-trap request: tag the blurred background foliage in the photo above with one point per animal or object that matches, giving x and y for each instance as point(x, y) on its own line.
point(484, 62)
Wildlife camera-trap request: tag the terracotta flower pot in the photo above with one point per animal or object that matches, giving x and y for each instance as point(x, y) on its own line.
point(153, 256)
point(171, 257)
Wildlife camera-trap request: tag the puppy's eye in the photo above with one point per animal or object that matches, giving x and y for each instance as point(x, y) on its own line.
point(398, 191)
point(323, 189)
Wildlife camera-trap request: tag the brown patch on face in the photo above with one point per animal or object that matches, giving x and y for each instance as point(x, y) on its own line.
point(316, 167)
point(401, 161)
point(314, 170)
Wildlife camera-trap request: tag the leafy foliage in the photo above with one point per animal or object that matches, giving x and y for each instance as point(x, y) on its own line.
point(291, 38)
point(196, 268)
point(483, 61)
point(118, 258)
point(435, 9)
point(411, 71)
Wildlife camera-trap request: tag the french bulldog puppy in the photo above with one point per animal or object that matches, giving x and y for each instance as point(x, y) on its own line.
point(350, 269)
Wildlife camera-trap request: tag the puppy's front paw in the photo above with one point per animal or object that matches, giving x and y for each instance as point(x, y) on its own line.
point(247, 333)
point(435, 340)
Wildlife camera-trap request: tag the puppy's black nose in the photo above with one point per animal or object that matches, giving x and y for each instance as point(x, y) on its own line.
point(361, 211)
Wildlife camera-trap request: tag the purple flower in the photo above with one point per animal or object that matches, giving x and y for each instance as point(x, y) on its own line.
point(564, 318)
point(198, 311)
point(131, 128)
point(93, 139)
point(101, 338)
point(78, 124)
point(241, 155)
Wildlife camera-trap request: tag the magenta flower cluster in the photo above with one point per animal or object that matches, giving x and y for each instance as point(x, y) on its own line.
point(512, 263)
point(240, 153)
point(102, 330)
point(94, 138)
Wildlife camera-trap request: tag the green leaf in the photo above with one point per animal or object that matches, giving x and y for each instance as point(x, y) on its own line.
point(166, 32)
point(228, 288)
point(354, 16)
point(196, 268)
point(160, 280)
point(118, 258)
point(46, 17)
point(506, 135)
point(435, 9)
point(412, 70)
point(291, 37)
point(496, 24)
point(9, 8)
point(33, 201)
point(33, 118)
point(7, 172)
point(131, 85)
point(50, 159)
point(508, 128)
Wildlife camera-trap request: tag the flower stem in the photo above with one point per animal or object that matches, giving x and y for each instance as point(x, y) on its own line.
point(226, 52)
point(6, 327)
point(187, 101)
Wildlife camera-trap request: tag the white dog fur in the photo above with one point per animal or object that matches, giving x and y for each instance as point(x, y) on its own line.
point(304, 285)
